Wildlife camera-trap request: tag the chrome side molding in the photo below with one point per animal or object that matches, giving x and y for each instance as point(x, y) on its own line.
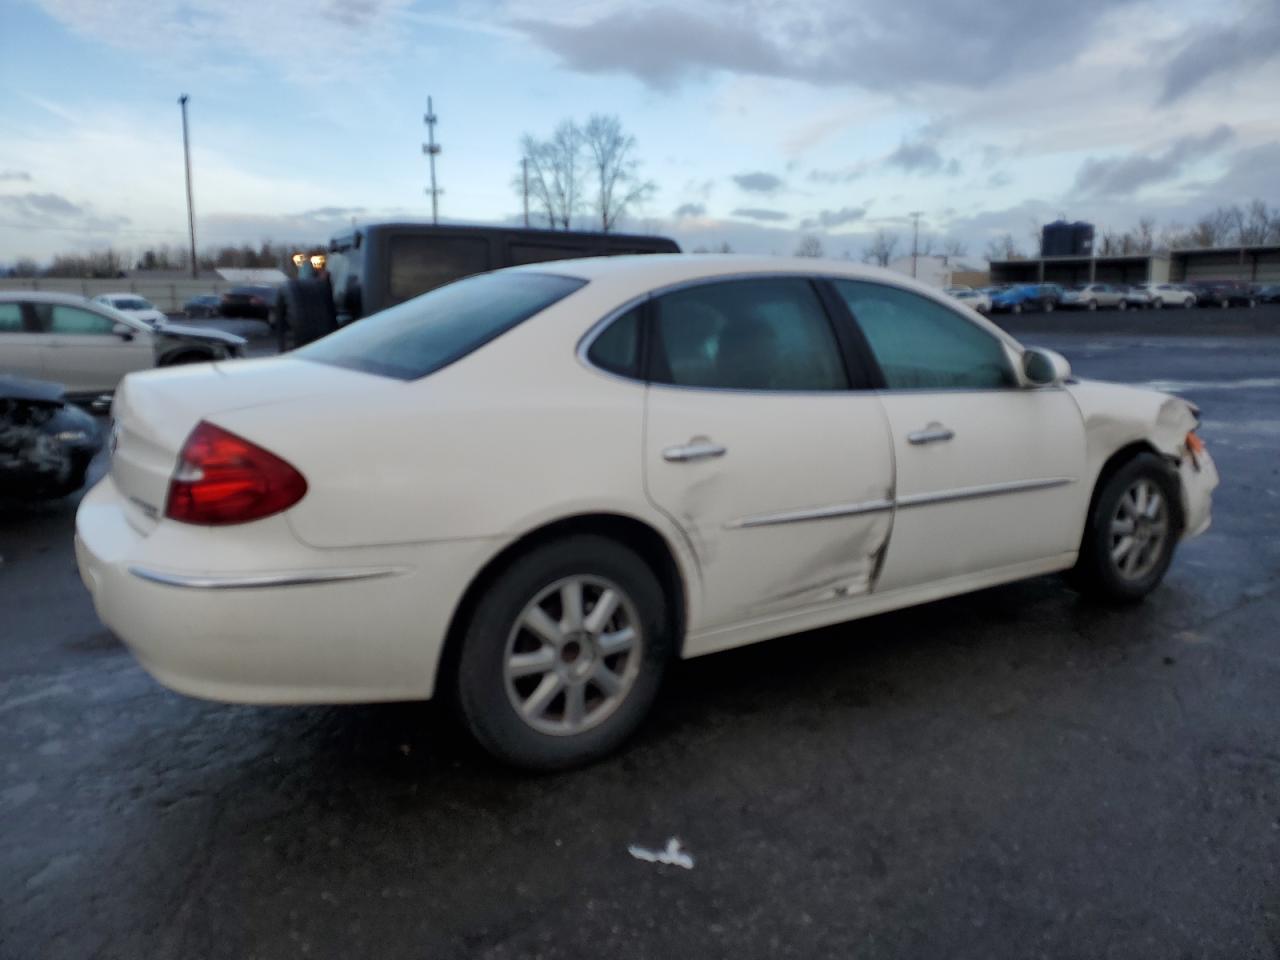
point(257, 581)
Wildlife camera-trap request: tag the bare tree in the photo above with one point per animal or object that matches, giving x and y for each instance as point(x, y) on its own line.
point(24, 267)
point(1003, 248)
point(1144, 235)
point(618, 183)
point(954, 247)
point(810, 246)
point(1213, 229)
point(556, 168)
point(1254, 224)
point(880, 250)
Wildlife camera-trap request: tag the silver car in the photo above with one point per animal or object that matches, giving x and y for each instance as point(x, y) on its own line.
point(1091, 296)
point(88, 347)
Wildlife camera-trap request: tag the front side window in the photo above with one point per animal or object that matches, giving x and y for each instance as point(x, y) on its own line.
point(420, 263)
point(420, 336)
point(922, 345)
point(74, 321)
point(766, 334)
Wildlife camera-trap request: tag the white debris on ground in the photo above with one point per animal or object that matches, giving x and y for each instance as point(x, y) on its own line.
point(672, 855)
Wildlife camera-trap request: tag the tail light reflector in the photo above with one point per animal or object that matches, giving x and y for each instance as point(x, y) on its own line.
point(224, 479)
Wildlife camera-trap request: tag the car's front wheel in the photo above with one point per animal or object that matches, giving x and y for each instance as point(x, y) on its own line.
point(1132, 529)
point(1122, 305)
point(563, 654)
point(1157, 304)
point(1016, 308)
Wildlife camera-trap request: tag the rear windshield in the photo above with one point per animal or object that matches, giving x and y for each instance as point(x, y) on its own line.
point(419, 336)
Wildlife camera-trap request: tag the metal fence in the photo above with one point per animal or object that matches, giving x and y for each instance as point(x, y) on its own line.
point(167, 295)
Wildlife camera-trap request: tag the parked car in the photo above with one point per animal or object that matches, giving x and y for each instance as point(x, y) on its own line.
point(46, 443)
point(1027, 296)
point(971, 298)
point(140, 308)
point(252, 302)
point(89, 346)
point(379, 265)
point(1269, 293)
point(1224, 293)
point(1160, 295)
point(492, 492)
point(203, 306)
point(1091, 296)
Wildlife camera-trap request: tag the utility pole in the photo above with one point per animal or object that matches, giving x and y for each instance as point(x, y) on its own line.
point(191, 211)
point(431, 148)
point(524, 170)
point(915, 239)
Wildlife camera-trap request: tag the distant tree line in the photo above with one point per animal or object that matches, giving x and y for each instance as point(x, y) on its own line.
point(1225, 226)
point(164, 257)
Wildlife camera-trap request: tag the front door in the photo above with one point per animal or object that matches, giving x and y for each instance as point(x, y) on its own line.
point(761, 449)
point(83, 352)
point(989, 473)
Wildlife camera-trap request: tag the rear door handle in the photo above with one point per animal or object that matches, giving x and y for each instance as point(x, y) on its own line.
point(933, 433)
point(696, 449)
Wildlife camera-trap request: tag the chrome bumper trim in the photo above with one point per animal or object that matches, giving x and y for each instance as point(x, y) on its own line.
point(256, 581)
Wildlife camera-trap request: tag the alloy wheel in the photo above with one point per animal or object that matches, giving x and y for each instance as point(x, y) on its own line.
point(573, 655)
point(1139, 529)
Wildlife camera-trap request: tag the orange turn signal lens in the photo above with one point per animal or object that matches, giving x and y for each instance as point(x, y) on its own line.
point(1194, 443)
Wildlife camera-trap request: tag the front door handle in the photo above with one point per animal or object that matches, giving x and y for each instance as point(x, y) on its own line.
point(933, 433)
point(698, 448)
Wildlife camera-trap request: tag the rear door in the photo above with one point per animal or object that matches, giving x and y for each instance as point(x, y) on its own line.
point(83, 352)
point(21, 343)
point(759, 445)
point(988, 472)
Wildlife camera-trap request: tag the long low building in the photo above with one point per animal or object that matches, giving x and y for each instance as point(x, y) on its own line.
point(1259, 263)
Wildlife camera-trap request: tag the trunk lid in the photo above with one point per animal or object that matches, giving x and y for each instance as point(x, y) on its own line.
point(154, 412)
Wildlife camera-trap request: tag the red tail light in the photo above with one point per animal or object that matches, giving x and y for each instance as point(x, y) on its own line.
point(222, 479)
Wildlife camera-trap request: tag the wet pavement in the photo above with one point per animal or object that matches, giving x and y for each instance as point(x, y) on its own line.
point(1016, 773)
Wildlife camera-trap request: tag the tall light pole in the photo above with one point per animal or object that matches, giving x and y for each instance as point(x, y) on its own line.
point(915, 239)
point(191, 210)
point(431, 148)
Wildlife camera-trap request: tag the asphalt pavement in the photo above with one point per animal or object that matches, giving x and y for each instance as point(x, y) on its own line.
point(1016, 773)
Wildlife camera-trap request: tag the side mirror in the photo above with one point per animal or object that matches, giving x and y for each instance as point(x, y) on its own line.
point(122, 330)
point(1044, 368)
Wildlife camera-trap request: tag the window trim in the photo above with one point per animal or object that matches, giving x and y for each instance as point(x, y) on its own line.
point(1019, 381)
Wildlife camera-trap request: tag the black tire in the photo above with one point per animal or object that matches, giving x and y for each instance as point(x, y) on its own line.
point(306, 313)
point(1016, 308)
point(1049, 306)
point(1122, 305)
point(481, 695)
point(1092, 305)
point(1157, 304)
point(1096, 573)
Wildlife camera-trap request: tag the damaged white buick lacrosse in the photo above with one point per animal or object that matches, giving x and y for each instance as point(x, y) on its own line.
point(527, 490)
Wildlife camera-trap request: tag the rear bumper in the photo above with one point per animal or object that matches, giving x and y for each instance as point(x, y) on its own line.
point(300, 626)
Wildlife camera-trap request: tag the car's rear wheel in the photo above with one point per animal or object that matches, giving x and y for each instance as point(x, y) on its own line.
point(1048, 306)
point(1016, 308)
point(1132, 529)
point(563, 654)
point(1092, 304)
point(1157, 303)
point(1188, 303)
point(1122, 305)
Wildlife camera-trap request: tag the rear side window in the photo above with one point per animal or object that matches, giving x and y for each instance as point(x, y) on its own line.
point(767, 334)
point(73, 320)
point(10, 318)
point(420, 336)
point(617, 348)
point(422, 263)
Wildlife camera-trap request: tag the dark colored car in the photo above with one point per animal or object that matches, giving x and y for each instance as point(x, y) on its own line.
point(1269, 293)
point(1224, 293)
point(205, 305)
point(253, 302)
point(378, 265)
point(46, 443)
point(1027, 296)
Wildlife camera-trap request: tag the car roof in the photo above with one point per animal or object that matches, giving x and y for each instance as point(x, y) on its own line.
point(122, 293)
point(655, 270)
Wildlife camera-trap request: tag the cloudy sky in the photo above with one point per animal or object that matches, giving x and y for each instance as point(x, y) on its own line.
point(759, 120)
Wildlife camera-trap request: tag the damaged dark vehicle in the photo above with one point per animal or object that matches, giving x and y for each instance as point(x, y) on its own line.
point(46, 443)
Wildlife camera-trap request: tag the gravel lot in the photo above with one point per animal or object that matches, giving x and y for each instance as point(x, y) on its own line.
point(1014, 773)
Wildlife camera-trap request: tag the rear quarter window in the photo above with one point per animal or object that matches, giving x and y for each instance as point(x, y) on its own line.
point(422, 335)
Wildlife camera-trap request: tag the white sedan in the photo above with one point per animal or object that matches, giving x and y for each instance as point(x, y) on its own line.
point(140, 308)
point(530, 489)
